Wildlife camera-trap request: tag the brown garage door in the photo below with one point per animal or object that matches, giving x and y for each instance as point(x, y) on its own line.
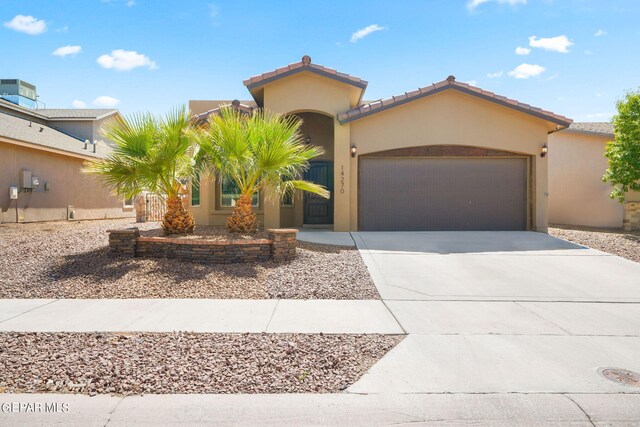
point(442, 194)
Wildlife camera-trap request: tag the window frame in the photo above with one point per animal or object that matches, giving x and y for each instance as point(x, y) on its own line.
point(288, 205)
point(198, 186)
point(222, 205)
point(127, 205)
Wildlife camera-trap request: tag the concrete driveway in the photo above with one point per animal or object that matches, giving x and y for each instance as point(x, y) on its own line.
point(503, 312)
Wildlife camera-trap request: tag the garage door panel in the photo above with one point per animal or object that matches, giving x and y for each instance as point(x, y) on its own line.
point(442, 194)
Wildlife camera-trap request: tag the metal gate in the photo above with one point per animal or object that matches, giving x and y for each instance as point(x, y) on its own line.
point(154, 207)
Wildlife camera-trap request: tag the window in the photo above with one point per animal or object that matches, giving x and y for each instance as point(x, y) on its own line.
point(128, 203)
point(195, 190)
point(288, 197)
point(287, 200)
point(230, 192)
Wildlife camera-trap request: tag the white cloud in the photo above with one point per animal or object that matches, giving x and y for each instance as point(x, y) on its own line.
point(588, 52)
point(214, 10)
point(525, 71)
point(364, 32)
point(131, 3)
point(214, 14)
point(472, 4)
point(125, 60)
point(62, 29)
point(106, 101)
point(78, 104)
point(67, 50)
point(27, 24)
point(556, 44)
point(495, 75)
point(523, 51)
point(472, 83)
point(600, 33)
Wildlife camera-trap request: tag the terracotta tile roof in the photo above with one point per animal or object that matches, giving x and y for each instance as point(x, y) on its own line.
point(365, 110)
point(596, 128)
point(244, 106)
point(304, 65)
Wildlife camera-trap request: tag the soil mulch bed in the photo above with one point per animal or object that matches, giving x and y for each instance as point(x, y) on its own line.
point(161, 363)
point(206, 232)
point(72, 260)
point(617, 242)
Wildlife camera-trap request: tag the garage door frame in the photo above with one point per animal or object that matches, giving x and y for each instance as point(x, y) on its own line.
point(456, 152)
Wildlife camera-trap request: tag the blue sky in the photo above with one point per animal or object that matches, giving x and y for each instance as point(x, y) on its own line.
point(576, 57)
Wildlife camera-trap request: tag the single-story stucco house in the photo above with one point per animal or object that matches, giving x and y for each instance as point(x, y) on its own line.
point(448, 156)
point(577, 194)
point(42, 152)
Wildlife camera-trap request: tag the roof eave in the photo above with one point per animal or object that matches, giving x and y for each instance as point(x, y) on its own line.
point(359, 84)
point(587, 132)
point(552, 119)
point(50, 149)
point(82, 119)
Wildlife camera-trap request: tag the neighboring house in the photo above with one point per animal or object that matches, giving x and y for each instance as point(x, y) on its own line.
point(447, 156)
point(42, 152)
point(577, 194)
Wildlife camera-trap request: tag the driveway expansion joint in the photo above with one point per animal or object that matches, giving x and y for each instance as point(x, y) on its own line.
point(28, 311)
point(273, 313)
point(581, 409)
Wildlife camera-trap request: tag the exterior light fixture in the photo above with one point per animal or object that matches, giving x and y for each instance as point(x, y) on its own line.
point(307, 140)
point(544, 150)
point(354, 150)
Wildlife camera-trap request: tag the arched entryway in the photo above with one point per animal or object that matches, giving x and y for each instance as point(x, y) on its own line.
point(308, 209)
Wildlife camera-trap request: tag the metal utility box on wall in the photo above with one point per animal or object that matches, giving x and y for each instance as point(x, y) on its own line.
point(13, 192)
point(25, 179)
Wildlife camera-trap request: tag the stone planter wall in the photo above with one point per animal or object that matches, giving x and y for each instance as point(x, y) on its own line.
point(280, 246)
point(123, 242)
point(283, 244)
point(631, 218)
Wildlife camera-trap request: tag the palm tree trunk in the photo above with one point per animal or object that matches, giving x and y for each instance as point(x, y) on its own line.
point(177, 220)
point(243, 219)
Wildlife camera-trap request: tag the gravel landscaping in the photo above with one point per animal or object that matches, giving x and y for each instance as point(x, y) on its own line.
point(110, 363)
point(623, 244)
point(72, 260)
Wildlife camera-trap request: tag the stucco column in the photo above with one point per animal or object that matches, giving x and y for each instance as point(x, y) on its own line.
point(342, 177)
point(541, 194)
point(271, 210)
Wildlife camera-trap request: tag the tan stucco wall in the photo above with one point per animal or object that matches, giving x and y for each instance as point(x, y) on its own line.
point(577, 195)
point(71, 189)
point(454, 118)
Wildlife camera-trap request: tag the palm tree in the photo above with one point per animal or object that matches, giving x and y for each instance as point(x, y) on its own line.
point(152, 154)
point(259, 151)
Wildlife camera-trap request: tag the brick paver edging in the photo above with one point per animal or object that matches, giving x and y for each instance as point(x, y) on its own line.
point(280, 246)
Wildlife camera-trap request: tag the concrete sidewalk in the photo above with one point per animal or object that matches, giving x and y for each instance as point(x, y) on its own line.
point(330, 409)
point(197, 315)
point(325, 237)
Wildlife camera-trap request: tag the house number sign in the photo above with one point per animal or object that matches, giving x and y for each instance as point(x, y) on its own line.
point(341, 179)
